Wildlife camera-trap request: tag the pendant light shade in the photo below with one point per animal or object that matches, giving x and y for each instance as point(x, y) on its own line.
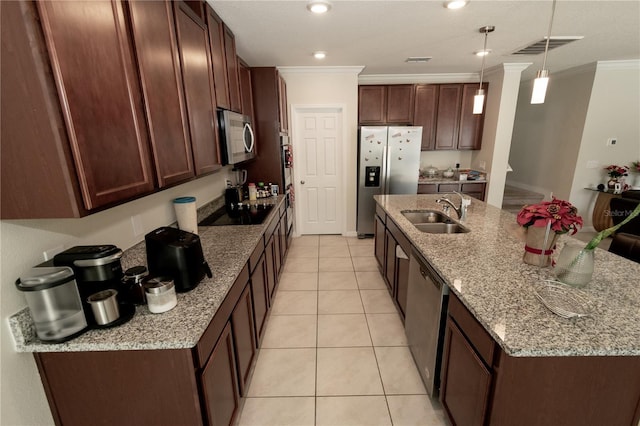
point(478, 99)
point(542, 78)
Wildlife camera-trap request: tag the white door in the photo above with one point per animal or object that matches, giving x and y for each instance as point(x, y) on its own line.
point(318, 141)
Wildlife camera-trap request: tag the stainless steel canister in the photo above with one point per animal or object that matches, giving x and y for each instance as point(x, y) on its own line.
point(104, 306)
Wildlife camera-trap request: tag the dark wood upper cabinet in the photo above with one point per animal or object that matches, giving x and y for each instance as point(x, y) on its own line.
point(372, 104)
point(193, 43)
point(282, 104)
point(159, 64)
point(400, 103)
point(235, 103)
point(471, 125)
point(246, 93)
point(448, 119)
point(425, 113)
point(218, 61)
point(94, 69)
point(392, 104)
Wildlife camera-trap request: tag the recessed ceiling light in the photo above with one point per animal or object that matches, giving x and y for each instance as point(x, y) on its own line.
point(455, 4)
point(319, 55)
point(318, 6)
point(482, 52)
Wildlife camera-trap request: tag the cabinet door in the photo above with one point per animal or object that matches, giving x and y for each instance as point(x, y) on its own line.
point(232, 70)
point(159, 63)
point(244, 337)
point(379, 250)
point(400, 103)
point(390, 262)
point(259, 293)
point(94, 69)
point(471, 125)
point(449, 98)
point(282, 105)
point(283, 238)
point(372, 104)
point(466, 381)
point(269, 253)
point(424, 114)
point(246, 94)
point(277, 251)
point(218, 61)
point(193, 43)
point(219, 382)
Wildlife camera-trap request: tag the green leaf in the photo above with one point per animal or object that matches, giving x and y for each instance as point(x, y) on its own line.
point(607, 232)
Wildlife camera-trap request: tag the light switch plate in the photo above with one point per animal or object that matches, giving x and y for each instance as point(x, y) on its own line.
point(593, 164)
point(612, 141)
point(136, 224)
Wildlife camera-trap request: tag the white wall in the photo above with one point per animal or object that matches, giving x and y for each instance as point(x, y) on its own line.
point(23, 401)
point(614, 108)
point(546, 137)
point(553, 142)
point(317, 86)
point(504, 85)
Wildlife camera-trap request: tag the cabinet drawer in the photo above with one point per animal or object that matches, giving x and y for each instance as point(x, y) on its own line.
point(448, 187)
point(255, 256)
point(476, 195)
point(472, 187)
point(380, 212)
point(210, 336)
point(427, 188)
point(474, 332)
point(399, 236)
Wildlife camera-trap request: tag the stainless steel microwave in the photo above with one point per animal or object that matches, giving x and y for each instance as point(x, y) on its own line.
point(238, 139)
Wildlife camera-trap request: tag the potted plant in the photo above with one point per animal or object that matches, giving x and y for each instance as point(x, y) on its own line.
point(615, 173)
point(545, 221)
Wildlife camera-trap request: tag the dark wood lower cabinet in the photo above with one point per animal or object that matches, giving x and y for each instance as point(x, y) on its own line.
point(260, 294)
point(466, 381)
point(219, 382)
point(482, 385)
point(390, 262)
point(269, 253)
point(244, 337)
point(121, 387)
point(379, 250)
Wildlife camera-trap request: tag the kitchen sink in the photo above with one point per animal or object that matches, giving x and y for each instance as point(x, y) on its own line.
point(434, 222)
point(441, 228)
point(426, 216)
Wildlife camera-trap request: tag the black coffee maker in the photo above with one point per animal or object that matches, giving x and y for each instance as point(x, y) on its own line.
point(96, 268)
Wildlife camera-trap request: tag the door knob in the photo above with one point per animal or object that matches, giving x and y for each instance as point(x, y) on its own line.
point(301, 182)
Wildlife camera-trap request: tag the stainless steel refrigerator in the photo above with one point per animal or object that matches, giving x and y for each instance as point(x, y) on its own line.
point(388, 163)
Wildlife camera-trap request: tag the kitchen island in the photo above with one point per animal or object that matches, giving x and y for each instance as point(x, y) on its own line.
point(524, 364)
point(189, 365)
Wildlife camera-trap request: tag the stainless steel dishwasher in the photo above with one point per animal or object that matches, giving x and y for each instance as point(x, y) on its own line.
point(427, 298)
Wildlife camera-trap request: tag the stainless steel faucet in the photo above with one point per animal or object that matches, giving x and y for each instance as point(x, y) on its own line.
point(460, 211)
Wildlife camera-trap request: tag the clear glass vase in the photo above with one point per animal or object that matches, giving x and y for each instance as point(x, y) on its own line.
point(574, 265)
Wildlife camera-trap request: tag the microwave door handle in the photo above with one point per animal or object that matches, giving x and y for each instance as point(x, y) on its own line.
point(247, 126)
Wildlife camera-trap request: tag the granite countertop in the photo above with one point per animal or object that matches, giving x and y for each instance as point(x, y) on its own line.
point(226, 249)
point(484, 268)
point(441, 179)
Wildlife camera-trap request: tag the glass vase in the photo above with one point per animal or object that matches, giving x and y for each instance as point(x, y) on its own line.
point(575, 265)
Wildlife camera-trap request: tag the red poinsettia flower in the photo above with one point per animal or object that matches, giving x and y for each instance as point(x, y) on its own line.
point(562, 215)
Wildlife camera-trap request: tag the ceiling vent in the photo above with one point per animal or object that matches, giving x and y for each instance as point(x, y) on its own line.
point(554, 41)
point(418, 59)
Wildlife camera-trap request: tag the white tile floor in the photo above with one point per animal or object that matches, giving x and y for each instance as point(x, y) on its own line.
point(334, 351)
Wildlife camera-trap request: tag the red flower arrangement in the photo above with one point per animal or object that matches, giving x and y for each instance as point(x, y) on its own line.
point(616, 171)
point(562, 215)
point(635, 166)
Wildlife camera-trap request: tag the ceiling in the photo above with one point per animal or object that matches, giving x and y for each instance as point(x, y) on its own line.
point(380, 35)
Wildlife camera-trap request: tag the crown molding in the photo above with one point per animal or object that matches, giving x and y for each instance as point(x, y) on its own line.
point(630, 64)
point(321, 70)
point(418, 78)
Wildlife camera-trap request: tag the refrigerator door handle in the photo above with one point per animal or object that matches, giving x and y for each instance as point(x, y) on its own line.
point(386, 169)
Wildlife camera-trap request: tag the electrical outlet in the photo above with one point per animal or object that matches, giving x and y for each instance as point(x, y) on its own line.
point(227, 182)
point(612, 141)
point(593, 164)
point(482, 165)
point(48, 254)
point(136, 225)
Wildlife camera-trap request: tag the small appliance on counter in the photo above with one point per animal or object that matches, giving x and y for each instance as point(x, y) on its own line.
point(97, 268)
point(54, 301)
point(177, 254)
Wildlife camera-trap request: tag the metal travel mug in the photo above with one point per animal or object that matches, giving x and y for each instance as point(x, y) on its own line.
point(104, 306)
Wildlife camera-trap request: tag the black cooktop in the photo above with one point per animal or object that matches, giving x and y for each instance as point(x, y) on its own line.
point(248, 215)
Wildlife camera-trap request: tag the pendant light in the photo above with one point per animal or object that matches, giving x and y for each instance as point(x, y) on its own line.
point(542, 77)
point(478, 99)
